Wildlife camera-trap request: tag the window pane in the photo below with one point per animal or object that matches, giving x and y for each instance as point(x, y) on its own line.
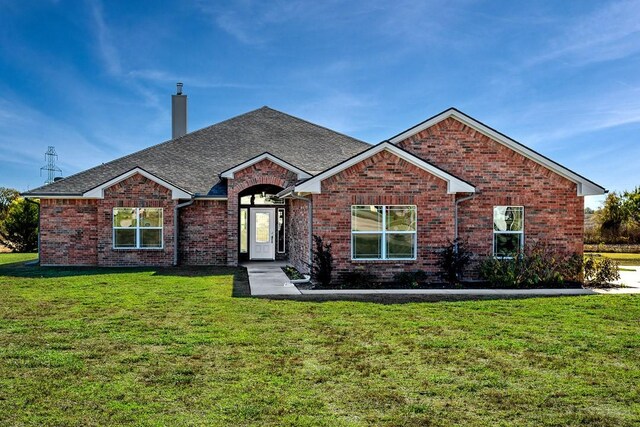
point(400, 245)
point(151, 238)
point(507, 244)
point(281, 247)
point(124, 217)
point(244, 231)
point(151, 217)
point(124, 238)
point(367, 246)
point(245, 200)
point(401, 218)
point(508, 218)
point(366, 218)
point(262, 227)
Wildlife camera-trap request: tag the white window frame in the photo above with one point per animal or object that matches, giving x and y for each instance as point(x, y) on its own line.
point(138, 230)
point(284, 231)
point(384, 233)
point(493, 236)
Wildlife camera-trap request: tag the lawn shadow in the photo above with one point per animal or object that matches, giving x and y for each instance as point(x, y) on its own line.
point(26, 270)
point(388, 299)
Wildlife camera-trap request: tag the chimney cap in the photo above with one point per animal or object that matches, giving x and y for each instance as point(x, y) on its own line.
point(179, 88)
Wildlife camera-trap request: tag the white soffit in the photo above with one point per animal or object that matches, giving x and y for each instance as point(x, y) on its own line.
point(585, 186)
point(454, 185)
point(98, 192)
point(230, 173)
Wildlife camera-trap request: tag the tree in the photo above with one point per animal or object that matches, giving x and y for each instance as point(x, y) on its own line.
point(631, 205)
point(19, 227)
point(7, 195)
point(611, 216)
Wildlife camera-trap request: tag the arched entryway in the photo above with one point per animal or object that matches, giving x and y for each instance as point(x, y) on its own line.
point(261, 224)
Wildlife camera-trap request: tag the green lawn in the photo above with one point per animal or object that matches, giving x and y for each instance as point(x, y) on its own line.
point(172, 347)
point(622, 258)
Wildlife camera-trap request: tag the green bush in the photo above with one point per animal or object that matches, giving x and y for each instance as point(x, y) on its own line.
point(537, 266)
point(600, 270)
point(453, 260)
point(19, 227)
point(411, 279)
point(358, 279)
point(322, 266)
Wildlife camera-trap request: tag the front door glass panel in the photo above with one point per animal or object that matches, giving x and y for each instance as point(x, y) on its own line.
point(262, 227)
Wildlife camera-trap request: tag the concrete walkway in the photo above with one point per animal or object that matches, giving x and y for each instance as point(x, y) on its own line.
point(630, 278)
point(267, 278)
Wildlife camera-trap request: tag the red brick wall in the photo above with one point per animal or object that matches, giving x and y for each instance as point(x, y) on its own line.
point(203, 233)
point(554, 214)
point(298, 234)
point(263, 172)
point(68, 232)
point(384, 179)
point(135, 192)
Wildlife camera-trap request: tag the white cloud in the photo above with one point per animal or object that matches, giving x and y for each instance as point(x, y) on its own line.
point(107, 49)
point(609, 33)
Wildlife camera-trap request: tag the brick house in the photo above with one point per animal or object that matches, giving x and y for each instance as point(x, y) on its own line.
point(258, 186)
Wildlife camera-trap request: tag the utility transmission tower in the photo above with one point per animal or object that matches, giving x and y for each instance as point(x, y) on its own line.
point(50, 157)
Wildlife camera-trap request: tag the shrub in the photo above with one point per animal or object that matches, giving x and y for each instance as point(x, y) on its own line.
point(410, 279)
point(537, 266)
point(322, 266)
point(358, 279)
point(19, 227)
point(292, 272)
point(600, 270)
point(453, 260)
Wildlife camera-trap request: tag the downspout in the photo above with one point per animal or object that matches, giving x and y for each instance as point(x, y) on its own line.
point(455, 219)
point(37, 261)
point(176, 229)
point(309, 225)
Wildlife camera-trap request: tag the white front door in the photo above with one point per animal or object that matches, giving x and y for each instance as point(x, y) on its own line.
point(263, 244)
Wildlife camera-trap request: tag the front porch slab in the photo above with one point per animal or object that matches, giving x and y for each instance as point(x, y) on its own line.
point(267, 278)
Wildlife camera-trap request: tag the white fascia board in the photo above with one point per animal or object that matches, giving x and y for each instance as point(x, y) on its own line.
point(56, 196)
point(230, 173)
point(454, 185)
point(585, 187)
point(98, 192)
point(222, 198)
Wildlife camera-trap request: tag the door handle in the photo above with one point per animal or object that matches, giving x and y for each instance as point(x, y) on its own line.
point(271, 237)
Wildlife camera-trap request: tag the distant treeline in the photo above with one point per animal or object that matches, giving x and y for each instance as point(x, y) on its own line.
point(617, 221)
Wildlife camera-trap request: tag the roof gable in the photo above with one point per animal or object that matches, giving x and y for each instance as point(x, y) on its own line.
point(98, 191)
point(229, 173)
point(454, 184)
point(585, 186)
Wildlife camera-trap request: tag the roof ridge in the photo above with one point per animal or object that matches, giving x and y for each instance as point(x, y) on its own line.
point(313, 124)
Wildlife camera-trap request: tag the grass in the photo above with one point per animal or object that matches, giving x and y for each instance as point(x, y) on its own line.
point(153, 347)
point(622, 258)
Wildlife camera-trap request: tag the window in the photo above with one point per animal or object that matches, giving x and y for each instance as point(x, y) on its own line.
point(280, 235)
point(244, 230)
point(383, 232)
point(137, 228)
point(508, 230)
point(261, 199)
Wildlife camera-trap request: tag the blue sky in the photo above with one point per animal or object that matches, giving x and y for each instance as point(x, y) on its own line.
point(94, 78)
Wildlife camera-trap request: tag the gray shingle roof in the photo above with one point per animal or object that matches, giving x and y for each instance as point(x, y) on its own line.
point(193, 161)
